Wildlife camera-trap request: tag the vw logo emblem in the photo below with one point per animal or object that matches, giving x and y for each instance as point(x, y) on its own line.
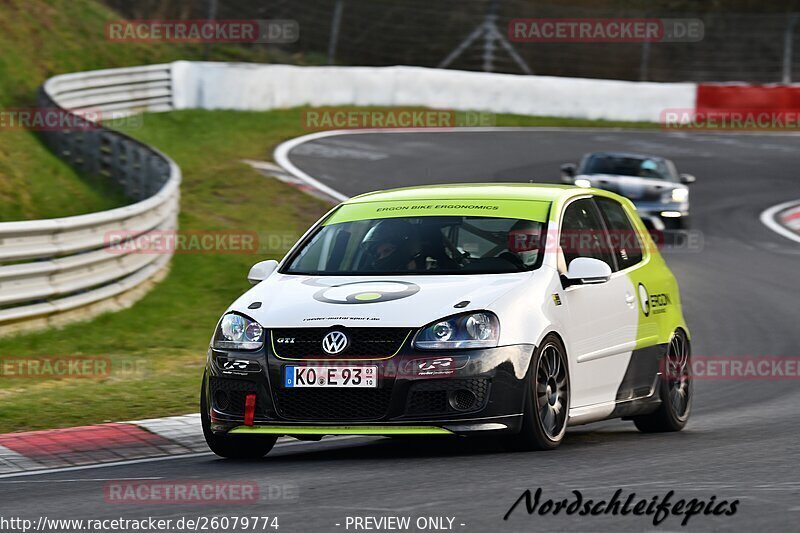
point(334, 342)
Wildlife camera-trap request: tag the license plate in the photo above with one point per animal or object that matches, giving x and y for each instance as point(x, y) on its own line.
point(331, 376)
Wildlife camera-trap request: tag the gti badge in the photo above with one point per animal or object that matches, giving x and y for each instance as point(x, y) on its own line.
point(334, 342)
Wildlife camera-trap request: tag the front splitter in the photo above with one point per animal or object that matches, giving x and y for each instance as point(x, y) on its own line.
point(341, 430)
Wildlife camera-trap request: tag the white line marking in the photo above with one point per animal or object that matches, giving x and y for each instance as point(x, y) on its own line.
point(87, 480)
point(768, 219)
point(156, 459)
point(281, 156)
point(480, 129)
point(104, 465)
point(382, 509)
point(281, 152)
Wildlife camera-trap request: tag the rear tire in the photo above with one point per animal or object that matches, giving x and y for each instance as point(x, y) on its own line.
point(232, 446)
point(675, 390)
point(547, 397)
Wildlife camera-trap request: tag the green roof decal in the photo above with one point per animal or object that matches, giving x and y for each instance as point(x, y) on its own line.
point(501, 208)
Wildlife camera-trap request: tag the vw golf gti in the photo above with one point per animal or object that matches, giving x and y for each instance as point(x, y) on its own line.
point(511, 310)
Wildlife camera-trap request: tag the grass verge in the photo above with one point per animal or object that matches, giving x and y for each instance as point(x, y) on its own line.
point(42, 38)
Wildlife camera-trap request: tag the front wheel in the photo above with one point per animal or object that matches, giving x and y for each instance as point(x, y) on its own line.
point(232, 446)
point(675, 390)
point(547, 396)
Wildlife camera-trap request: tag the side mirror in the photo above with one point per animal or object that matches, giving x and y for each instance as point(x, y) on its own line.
point(568, 172)
point(686, 179)
point(587, 271)
point(261, 271)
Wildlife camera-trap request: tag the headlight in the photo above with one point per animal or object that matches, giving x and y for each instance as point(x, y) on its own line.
point(236, 332)
point(680, 195)
point(472, 330)
point(583, 183)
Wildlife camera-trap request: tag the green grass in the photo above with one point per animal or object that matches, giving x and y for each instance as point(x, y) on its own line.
point(165, 335)
point(42, 38)
point(36, 184)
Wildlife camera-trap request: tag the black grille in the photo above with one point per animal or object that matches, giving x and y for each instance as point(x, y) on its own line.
point(442, 396)
point(363, 342)
point(228, 395)
point(333, 404)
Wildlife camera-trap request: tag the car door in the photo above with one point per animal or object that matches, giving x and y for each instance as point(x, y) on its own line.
point(600, 315)
point(640, 325)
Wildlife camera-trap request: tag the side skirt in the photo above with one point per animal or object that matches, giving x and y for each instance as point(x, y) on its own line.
point(640, 405)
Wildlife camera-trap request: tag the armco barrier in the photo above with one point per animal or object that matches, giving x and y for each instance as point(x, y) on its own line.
point(56, 270)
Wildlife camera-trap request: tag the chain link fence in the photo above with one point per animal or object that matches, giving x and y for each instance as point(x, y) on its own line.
point(754, 47)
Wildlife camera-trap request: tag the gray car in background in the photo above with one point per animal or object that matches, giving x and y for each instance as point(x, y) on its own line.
point(653, 184)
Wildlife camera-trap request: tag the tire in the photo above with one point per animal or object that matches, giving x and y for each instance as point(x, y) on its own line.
point(547, 397)
point(675, 390)
point(232, 446)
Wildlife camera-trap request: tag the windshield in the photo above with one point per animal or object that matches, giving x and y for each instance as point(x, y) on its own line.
point(626, 166)
point(421, 245)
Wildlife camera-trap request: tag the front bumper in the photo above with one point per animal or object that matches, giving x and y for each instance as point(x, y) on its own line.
point(481, 390)
point(664, 210)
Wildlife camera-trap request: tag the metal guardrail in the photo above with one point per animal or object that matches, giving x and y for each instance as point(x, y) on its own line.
point(55, 269)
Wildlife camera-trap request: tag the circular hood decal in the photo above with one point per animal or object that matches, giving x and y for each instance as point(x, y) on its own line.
point(366, 292)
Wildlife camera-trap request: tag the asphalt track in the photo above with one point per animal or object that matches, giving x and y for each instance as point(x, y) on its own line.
point(741, 298)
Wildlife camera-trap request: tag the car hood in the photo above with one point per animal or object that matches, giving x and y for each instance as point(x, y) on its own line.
point(390, 301)
point(632, 187)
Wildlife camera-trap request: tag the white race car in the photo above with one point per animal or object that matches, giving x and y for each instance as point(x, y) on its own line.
point(517, 309)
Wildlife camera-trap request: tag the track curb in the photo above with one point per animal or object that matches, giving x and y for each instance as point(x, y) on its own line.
point(101, 443)
point(784, 219)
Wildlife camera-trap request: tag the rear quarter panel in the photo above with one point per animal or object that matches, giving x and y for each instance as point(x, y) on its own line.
point(658, 294)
